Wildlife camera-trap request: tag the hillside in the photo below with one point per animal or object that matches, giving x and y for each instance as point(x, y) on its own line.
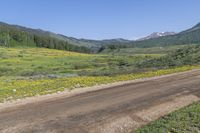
point(157, 35)
point(188, 55)
point(18, 36)
point(187, 37)
point(15, 35)
point(94, 45)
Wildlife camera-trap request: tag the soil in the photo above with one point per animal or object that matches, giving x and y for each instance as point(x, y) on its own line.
point(116, 108)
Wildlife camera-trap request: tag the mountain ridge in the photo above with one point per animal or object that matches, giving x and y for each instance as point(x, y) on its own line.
point(15, 35)
point(156, 39)
point(156, 35)
point(186, 37)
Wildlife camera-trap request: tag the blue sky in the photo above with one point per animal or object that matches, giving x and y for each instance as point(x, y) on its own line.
point(102, 19)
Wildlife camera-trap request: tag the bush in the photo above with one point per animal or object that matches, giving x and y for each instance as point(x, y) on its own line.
point(189, 55)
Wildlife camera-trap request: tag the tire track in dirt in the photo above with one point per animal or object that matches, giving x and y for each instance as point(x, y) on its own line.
point(115, 109)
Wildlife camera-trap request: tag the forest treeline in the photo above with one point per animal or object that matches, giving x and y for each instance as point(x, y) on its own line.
point(11, 36)
point(18, 36)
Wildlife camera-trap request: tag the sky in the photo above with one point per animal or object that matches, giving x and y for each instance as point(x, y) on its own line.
point(102, 19)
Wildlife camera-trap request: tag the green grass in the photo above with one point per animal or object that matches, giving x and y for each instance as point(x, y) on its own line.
point(151, 51)
point(186, 120)
point(35, 61)
point(28, 62)
point(11, 89)
point(26, 72)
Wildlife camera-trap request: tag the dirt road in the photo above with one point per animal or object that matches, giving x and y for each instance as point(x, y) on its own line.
point(115, 109)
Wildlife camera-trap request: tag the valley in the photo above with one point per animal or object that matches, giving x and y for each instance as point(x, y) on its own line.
point(135, 75)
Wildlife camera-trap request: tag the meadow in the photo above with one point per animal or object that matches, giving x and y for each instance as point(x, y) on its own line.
point(152, 50)
point(26, 72)
point(12, 89)
point(36, 62)
point(37, 71)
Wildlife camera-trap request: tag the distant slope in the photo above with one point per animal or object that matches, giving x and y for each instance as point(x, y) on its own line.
point(15, 35)
point(18, 36)
point(157, 35)
point(94, 45)
point(190, 36)
point(195, 28)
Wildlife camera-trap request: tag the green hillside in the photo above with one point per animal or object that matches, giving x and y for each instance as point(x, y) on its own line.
point(188, 55)
point(17, 36)
point(95, 45)
point(187, 37)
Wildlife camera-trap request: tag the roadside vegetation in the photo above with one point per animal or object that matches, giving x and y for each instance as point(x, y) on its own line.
point(185, 120)
point(12, 89)
point(26, 72)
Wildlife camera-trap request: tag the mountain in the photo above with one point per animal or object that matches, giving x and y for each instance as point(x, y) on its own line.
point(157, 35)
point(193, 29)
point(19, 36)
point(16, 35)
point(187, 37)
point(94, 45)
